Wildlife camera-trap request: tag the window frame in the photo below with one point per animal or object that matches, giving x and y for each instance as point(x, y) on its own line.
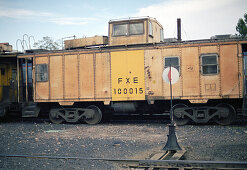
point(119, 34)
point(203, 65)
point(36, 73)
point(136, 23)
point(169, 57)
point(128, 28)
point(161, 35)
point(150, 28)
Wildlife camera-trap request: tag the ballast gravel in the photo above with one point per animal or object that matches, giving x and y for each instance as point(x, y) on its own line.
point(128, 139)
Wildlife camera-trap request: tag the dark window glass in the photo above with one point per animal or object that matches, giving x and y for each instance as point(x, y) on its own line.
point(41, 72)
point(14, 73)
point(209, 60)
point(128, 29)
point(2, 71)
point(209, 69)
point(172, 61)
point(136, 28)
point(29, 73)
point(209, 64)
point(120, 29)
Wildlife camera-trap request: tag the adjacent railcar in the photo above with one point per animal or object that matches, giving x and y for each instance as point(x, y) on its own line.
point(125, 75)
point(8, 83)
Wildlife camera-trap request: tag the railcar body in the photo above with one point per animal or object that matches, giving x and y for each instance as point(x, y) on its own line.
point(8, 82)
point(126, 76)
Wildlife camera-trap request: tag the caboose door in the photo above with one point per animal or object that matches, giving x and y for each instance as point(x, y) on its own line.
point(4, 86)
point(244, 107)
point(8, 84)
point(245, 73)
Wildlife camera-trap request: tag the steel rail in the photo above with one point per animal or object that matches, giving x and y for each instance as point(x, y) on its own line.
point(148, 163)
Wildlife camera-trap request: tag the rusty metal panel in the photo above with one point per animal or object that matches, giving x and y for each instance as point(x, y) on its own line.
point(178, 86)
point(156, 37)
point(210, 84)
point(241, 70)
point(88, 41)
point(56, 77)
point(125, 40)
point(209, 49)
point(86, 73)
point(190, 72)
point(153, 73)
point(229, 71)
point(71, 76)
point(102, 76)
point(5, 47)
point(41, 88)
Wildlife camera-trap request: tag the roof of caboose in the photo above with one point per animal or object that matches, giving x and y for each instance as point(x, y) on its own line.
point(9, 54)
point(134, 19)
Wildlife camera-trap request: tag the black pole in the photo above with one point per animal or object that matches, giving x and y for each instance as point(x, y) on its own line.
point(179, 29)
point(171, 111)
point(171, 144)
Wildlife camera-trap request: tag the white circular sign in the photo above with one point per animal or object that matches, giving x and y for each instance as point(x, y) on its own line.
point(170, 74)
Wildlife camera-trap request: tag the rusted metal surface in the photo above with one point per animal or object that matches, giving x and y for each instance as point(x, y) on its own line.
point(5, 47)
point(86, 75)
point(89, 41)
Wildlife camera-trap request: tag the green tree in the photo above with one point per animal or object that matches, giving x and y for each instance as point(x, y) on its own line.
point(242, 26)
point(47, 43)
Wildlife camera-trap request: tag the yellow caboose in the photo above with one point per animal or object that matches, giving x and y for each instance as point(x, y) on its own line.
point(124, 74)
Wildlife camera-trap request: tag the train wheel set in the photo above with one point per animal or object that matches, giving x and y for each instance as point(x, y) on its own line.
point(91, 115)
point(222, 114)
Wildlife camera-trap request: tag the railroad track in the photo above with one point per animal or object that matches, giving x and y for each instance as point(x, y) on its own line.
point(161, 163)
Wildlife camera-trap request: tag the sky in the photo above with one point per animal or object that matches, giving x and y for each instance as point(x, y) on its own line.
point(201, 19)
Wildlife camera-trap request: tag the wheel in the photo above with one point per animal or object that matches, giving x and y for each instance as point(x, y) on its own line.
point(228, 117)
point(54, 116)
point(177, 117)
point(96, 117)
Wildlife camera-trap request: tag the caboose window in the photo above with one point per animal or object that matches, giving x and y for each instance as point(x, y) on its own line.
point(209, 64)
point(173, 62)
point(127, 29)
point(120, 29)
point(136, 28)
point(150, 30)
point(161, 35)
point(41, 72)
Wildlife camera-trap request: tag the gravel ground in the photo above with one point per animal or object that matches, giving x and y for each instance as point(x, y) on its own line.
point(130, 139)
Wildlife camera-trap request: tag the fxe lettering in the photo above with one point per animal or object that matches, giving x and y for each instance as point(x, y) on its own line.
point(128, 80)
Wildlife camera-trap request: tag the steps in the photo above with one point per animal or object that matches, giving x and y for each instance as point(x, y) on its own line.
point(30, 109)
point(2, 110)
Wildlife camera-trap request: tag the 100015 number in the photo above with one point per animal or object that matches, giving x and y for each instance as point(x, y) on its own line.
point(128, 91)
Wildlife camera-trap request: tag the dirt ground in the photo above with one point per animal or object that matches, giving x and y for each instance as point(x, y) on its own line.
point(130, 139)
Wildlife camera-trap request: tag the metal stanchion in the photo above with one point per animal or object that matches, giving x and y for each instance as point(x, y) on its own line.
point(171, 144)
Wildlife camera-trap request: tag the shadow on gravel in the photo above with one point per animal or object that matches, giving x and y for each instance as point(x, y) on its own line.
point(119, 119)
point(115, 119)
